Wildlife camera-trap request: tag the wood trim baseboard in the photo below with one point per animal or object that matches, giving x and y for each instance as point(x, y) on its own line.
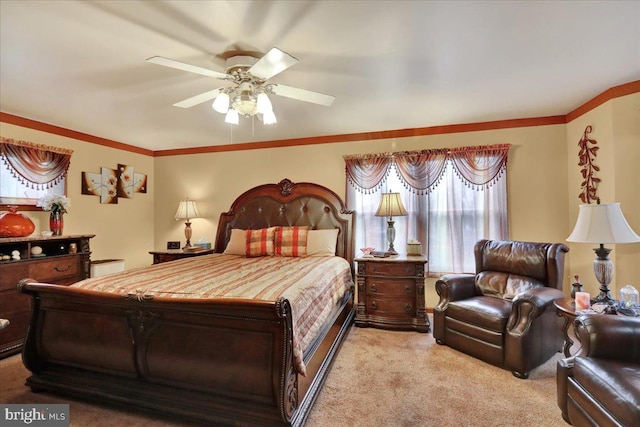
point(611, 93)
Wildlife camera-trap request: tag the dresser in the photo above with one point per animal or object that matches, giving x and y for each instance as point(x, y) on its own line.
point(391, 293)
point(61, 260)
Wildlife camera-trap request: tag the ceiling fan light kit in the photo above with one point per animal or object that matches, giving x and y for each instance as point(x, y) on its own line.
point(221, 103)
point(249, 94)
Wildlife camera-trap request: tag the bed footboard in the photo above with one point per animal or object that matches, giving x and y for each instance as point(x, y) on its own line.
point(227, 362)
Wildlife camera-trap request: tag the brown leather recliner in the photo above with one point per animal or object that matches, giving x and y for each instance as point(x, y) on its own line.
point(600, 386)
point(504, 313)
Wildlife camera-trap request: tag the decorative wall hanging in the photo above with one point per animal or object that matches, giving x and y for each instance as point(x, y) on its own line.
point(586, 157)
point(111, 184)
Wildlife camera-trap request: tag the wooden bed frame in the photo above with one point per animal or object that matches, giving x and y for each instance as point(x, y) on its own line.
point(212, 361)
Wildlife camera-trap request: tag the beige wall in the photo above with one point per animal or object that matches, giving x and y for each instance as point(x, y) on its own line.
point(616, 128)
point(123, 230)
point(537, 175)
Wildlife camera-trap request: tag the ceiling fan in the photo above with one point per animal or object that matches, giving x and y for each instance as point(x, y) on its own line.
point(248, 90)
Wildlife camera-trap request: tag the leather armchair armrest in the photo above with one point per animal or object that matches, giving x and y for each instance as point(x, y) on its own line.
point(609, 337)
point(454, 287)
point(563, 372)
point(529, 305)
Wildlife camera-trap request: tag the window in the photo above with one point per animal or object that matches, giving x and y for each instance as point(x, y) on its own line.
point(27, 171)
point(453, 198)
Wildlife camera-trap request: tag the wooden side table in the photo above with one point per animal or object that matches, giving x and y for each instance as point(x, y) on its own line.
point(171, 255)
point(566, 308)
point(391, 293)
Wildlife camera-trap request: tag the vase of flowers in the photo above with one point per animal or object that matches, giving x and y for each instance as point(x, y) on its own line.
point(57, 204)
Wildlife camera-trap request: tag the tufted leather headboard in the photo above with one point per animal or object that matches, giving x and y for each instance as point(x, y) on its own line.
point(288, 204)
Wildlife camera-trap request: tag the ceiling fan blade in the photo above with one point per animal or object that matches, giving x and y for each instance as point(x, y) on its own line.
point(302, 94)
point(159, 60)
point(199, 99)
point(274, 62)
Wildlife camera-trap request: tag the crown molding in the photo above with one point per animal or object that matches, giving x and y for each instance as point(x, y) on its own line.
point(609, 94)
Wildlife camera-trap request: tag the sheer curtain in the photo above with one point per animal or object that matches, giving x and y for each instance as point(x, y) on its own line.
point(453, 198)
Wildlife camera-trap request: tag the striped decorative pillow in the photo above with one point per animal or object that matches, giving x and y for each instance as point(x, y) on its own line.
point(260, 242)
point(291, 241)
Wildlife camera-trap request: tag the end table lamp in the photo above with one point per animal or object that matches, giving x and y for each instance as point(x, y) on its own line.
point(602, 223)
point(187, 209)
point(390, 206)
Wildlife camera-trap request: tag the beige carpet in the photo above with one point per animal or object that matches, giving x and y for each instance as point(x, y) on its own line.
point(380, 378)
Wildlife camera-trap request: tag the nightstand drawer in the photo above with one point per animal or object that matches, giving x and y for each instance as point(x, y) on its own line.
point(390, 269)
point(391, 287)
point(392, 307)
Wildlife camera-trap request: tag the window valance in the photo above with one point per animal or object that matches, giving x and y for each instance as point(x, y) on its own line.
point(35, 165)
point(420, 171)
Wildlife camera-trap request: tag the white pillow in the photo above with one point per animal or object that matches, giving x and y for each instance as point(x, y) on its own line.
point(322, 242)
point(237, 243)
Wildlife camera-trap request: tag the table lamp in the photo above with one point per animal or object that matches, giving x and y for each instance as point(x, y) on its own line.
point(390, 206)
point(602, 223)
point(187, 209)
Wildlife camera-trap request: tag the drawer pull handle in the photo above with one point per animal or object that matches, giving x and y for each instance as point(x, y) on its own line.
point(374, 288)
point(62, 270)
point(374, 306)
point(408, 308)
point(407, 289)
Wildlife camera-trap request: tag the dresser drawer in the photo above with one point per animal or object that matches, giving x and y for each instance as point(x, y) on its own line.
point(50, 270)
point(379, 286)
point(13, 301)
point(390, 269)
point(392, 307)
point(17, 329)
point(11, 274)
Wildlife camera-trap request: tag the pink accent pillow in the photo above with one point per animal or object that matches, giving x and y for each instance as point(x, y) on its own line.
point(291, 241)
point(260, 242)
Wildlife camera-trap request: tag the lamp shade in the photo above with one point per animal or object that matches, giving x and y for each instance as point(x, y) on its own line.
point(187, 209)
point(602, 223)
point(221, 103)
point(232, 117)
point(391, 205)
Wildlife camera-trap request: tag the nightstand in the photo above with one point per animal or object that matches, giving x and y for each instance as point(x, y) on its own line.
point(391, 293)
point(171, 255)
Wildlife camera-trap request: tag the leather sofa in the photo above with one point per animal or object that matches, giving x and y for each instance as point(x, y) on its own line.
point(504, 313)
point(600, 386)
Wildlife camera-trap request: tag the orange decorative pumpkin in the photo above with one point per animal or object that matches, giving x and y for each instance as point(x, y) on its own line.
point(14, 224)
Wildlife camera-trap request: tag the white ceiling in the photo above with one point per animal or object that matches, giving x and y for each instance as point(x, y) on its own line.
point(390, 64)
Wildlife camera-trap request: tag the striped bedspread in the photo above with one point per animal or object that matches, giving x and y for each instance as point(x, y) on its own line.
point(313, 285)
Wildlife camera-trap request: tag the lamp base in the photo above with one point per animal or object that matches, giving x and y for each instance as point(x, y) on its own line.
point(603, 269)
point(187, 235)
point(391, 236)
point(604, 296)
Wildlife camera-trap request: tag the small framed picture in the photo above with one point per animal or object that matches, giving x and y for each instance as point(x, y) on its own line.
point(173, 245)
